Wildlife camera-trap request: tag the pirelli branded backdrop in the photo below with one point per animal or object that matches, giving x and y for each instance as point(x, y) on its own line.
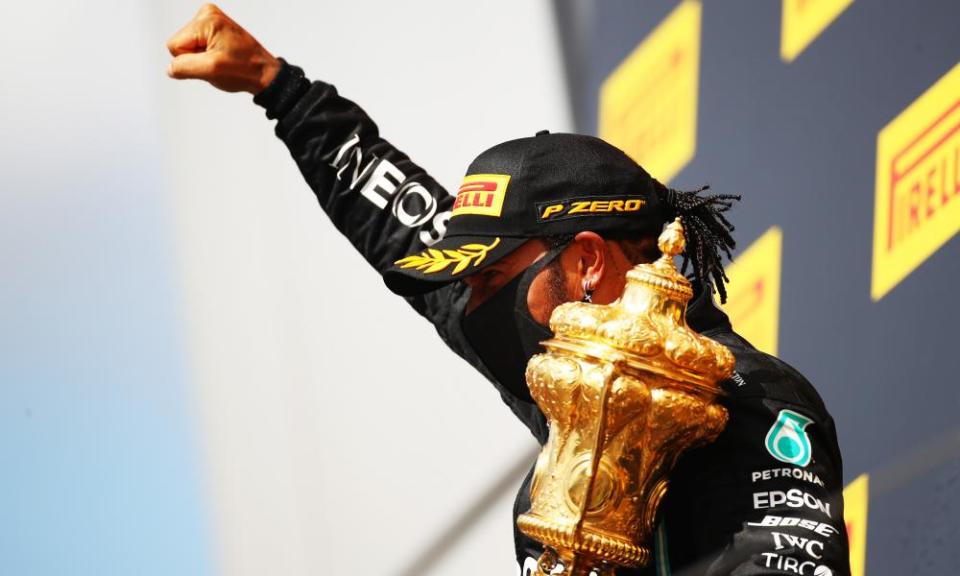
point(839, 123)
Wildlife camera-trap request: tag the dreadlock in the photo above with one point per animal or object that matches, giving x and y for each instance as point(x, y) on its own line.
point(707, 232)
point(706, 229)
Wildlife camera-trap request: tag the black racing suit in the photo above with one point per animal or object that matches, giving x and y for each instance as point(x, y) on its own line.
point(765, 498)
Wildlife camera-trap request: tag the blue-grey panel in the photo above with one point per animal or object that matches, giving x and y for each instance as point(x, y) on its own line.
point(798, 140)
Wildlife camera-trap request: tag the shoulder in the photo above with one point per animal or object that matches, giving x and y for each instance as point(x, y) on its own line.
point(761, 375)
point(776, 416)
point(775, 469)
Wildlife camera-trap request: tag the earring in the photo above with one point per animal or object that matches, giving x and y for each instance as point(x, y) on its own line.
point(587, 291)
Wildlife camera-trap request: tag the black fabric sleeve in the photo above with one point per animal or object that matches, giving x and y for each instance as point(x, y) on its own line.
point(785, 518)
point(387, 206)
point(767, 497)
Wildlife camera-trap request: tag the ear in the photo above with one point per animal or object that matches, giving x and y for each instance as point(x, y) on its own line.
point(593, 261)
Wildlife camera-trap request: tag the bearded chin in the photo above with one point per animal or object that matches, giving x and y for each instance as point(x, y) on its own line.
point(557, 292)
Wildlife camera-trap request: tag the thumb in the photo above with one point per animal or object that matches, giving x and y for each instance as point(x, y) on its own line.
point(199, 65)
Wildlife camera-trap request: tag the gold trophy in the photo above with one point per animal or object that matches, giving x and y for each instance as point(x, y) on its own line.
point(626, 387)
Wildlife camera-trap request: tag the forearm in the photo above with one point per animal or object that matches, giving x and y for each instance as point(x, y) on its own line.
point(386, 205)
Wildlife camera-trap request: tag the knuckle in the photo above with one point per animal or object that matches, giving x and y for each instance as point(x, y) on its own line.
point(211, 23)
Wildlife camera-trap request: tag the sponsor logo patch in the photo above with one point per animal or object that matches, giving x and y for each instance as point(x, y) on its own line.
point(481, 195)
point(794, 566)
point(917, 200)
point(588, 206)
point(793, 498)
point(738, 379)
point(795, 473)
point(787, 439)
point(771, 521)
point(388, 188)
point(813, 548)
point(431, 260)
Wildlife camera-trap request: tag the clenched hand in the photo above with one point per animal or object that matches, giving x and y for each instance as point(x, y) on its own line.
point(214, 48)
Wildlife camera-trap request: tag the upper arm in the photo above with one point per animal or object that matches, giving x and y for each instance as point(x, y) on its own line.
point(766, 498)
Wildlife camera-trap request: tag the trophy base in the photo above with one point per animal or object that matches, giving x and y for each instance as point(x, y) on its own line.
point(586, 548)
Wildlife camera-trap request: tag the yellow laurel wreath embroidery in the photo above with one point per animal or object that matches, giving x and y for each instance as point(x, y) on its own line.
point(432, 260)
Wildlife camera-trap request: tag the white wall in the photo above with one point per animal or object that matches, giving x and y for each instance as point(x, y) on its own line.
point(99, 473)
point(339, 435)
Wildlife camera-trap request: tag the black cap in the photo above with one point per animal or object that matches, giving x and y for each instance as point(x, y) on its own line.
point(546, 185)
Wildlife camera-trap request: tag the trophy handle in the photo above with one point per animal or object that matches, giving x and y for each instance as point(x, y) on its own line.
point(547, 562)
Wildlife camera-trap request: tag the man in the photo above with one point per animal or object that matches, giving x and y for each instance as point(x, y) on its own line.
point(539, 221)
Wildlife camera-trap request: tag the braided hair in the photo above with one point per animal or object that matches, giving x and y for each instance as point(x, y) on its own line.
point(707, 232)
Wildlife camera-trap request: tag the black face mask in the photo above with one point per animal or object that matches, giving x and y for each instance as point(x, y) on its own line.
point(503, 333)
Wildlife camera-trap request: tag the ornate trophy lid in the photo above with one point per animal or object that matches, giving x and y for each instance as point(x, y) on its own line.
point(646, 328)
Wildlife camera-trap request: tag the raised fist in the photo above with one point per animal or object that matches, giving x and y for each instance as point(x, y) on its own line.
point(214, 48)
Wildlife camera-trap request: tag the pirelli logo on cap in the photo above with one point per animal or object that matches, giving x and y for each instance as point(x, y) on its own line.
point(589, 206)
point(917, 201)
point(481, 194)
